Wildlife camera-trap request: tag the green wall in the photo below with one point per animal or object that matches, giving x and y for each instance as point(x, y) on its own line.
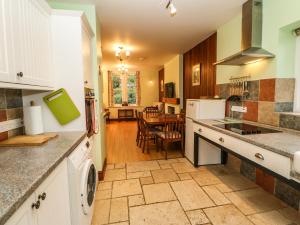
point(90, 12)
point(280, 18)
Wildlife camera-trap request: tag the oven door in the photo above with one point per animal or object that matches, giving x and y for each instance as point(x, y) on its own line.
point(88, 186)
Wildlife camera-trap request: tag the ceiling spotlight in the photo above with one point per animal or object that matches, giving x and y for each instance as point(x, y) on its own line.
point(170, 6)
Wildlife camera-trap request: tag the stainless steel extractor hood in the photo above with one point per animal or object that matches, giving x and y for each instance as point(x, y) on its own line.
point(251, 37)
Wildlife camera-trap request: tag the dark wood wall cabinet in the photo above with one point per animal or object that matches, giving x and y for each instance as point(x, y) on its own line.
point(205, 54)
point(161, 84)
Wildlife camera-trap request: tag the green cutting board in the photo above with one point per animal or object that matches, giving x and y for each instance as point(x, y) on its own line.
point(62, 106)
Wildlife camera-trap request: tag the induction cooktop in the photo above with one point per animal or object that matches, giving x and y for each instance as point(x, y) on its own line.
point(246, 129)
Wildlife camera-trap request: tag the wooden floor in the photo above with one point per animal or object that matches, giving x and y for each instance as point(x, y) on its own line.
point(121, 146)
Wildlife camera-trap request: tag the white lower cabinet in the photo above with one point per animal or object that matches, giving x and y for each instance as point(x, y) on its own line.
point(49, 204)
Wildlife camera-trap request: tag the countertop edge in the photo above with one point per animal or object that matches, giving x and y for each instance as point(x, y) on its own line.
point(38, 182)
point(278, 151)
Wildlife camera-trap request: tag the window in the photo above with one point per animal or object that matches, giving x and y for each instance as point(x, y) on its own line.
point(297, 76)
point(124, 88)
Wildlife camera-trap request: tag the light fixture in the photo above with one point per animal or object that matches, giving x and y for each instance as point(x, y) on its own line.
point(122, 54)
point(170, 6)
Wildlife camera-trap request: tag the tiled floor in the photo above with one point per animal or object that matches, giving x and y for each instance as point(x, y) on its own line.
point(173, 192)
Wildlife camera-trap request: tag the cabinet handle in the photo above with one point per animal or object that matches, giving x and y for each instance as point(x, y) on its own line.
point(87, 144)
point(259, 156)
point(86, 82)
point(200, 130)
point(20, 74)
point(36, 205)
point(221, 139)
point(42, 196)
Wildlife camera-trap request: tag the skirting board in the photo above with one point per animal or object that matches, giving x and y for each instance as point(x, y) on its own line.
point(101, 173)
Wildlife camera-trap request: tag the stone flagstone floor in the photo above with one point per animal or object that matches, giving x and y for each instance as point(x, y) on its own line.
point(173, 192)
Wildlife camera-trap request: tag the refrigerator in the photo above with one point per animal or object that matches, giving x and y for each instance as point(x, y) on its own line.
point(197, 109)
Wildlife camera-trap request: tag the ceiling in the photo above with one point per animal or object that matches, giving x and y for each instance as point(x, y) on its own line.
point(146, 27)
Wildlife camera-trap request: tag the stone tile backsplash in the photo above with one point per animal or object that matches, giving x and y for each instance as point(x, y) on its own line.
point(266, 102)
point(11, 107)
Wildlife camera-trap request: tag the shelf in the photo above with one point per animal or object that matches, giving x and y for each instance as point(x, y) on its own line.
point(174, 101)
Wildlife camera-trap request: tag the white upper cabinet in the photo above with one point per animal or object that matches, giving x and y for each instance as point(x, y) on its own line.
point(6, 67)
point(87, 57)
point(25, 38)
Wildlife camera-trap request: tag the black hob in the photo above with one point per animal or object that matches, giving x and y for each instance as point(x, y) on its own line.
point(246, 129)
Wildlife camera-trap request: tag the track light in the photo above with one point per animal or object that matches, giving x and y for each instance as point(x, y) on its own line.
point(170, 6)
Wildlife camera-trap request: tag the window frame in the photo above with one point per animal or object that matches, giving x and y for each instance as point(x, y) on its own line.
point(124, 88)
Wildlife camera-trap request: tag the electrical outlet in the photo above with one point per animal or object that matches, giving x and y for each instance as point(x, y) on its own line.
point(10, 125)
point(239, 109)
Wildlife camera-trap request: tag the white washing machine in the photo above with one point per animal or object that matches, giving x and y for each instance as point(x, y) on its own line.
point(82, 183)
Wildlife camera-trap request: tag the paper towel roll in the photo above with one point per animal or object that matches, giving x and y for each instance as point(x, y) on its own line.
point(33, 120)
point(297, 162)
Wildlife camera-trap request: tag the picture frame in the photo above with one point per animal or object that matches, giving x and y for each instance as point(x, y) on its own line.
point(196, 75)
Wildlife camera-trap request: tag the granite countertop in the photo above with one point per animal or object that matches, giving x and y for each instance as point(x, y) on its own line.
point(23, 169)
point(285, 143)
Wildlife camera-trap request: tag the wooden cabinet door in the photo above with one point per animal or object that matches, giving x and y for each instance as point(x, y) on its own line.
point(6, 49)
point(25, 215)
point(32, 42)
point(54, 197)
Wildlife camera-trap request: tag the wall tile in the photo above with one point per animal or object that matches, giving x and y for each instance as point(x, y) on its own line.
point(284, 91)
point(253, 88)
point(3, 116)
point(284, 106)
point(266, 181)
point(287, 194)
point(3, 136)
point(224, 90)
point(14, 113)
point(14, 98)
point(2, 99)
point(266, 113)
point(248, 170)
point(287, 121)
point(252, 111)
point(16, 132)
point(267, 90)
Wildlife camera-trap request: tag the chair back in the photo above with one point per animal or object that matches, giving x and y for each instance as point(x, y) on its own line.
point(151, 111)
point(174, 127)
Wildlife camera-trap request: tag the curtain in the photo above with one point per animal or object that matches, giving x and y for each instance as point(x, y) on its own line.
point(138, 88)
point(110, 89)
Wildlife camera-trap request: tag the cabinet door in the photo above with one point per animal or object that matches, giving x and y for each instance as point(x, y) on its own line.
point(87, 58)
point(6, 59)
point(32, 42)
point(25, 215)
point(55, 208)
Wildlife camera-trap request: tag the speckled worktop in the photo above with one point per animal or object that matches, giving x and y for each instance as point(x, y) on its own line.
point(285, 143)
point(23, 169)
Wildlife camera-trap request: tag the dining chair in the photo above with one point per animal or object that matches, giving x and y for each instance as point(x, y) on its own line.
point(148, 134)
point(152, 111)
point(173, 131)
point(138, 116)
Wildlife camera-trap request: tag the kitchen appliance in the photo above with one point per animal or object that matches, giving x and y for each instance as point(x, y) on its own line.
point(246, 129)
point(252, 50)
point(197, 109)
point(82, 183)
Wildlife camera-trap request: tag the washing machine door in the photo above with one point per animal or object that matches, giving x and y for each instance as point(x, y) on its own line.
point(88, 186)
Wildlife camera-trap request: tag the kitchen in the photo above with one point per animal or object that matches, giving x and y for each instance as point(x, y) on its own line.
point(242, 169)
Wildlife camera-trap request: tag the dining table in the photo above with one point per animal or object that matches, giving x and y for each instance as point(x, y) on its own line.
point(159, 120)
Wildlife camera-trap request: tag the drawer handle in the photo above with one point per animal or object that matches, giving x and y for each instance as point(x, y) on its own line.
point(43, 196)
point(221, 139)
point(20, 74)
point(200, 130)
point(36, 205)
point(259, 156)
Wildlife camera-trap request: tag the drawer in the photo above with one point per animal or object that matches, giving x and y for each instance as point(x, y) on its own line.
point(268, 159)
